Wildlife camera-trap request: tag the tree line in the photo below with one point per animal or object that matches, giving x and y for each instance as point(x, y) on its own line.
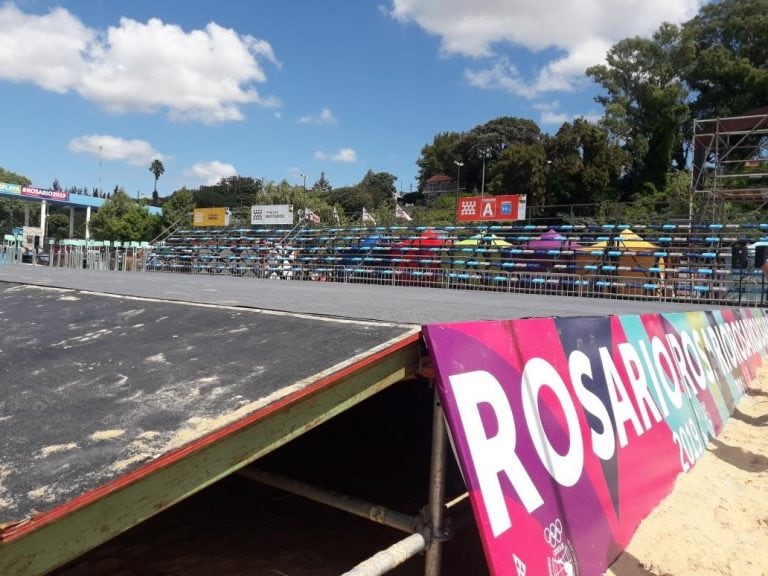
point(631, 164)
point(714, 65)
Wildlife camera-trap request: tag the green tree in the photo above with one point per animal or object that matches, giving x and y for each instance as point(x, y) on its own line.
point(646, 104)
point(483, 144)
point(322, 184)
point(12, 178)
point(438, 157)
point(179, 207)
point(584, 164)
point(158, 170)
point(728, 68)
point(229, 192)
point(380, 185)
point(120, 218)
point(351, 200)
point(12, 211)
point(57, 226)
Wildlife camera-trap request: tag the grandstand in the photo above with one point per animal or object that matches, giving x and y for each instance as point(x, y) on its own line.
point(262, 323)
point(666, 261)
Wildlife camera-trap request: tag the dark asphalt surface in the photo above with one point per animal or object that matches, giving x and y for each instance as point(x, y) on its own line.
point(412, 305)
point(93, 386)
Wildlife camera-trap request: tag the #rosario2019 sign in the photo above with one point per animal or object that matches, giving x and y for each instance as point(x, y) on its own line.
point(569, 431)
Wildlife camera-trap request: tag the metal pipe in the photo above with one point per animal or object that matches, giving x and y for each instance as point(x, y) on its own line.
point(432, 559)
point(389, 559)
point(356, 506)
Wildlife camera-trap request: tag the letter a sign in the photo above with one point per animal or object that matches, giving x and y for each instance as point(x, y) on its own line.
point(491, 208)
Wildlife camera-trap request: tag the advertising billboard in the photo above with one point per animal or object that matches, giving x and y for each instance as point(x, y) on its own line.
point(272, 214)
point(210, 217)
point(6, 188)
point(491, 208)
point(570, 431)
point(44, 194)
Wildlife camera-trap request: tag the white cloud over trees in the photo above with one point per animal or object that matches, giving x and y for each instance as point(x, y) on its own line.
point(205, 75)
point(578, 32)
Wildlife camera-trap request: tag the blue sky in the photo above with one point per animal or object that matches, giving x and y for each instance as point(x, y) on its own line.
point(93, 90)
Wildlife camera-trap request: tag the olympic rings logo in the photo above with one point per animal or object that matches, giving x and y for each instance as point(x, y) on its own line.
point(553, 533)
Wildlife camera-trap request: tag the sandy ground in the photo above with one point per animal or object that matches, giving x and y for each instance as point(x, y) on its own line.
point(714, 523)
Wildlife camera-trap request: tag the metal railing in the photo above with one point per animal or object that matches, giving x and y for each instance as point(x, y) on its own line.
point(100, 255)
point(11, 249)
point(700, 288)
point(440, 268)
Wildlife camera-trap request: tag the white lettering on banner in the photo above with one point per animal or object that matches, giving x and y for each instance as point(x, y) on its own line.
point(628, 402)
point(494, 455)
point(623, 410)
point(603, 442)
point(654, 379)
point(727, 338)
point(639, 384)
point(728, 346)
point(745, 327)
point(694, 347)
point(675, 394)
point(713, 345)
point(487, 209)
point(742, 343)
point(682, 367)
point(564, 468)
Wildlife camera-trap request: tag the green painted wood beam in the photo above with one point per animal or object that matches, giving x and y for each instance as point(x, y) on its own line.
point(53, 544)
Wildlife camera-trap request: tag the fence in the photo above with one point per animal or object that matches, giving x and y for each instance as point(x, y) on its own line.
point(681, 265)
point(11, 250)
point(100, 255)
point(727, 289)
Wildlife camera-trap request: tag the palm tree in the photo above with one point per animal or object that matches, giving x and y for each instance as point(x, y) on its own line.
point(157, 169)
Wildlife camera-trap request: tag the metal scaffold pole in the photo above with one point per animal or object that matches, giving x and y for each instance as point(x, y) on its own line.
point(436, 493)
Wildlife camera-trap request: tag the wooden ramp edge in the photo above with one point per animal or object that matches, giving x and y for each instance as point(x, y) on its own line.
point(38, 542)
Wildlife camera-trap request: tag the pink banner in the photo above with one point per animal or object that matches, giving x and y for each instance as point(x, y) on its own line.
point(569, 431)
point(44, 194)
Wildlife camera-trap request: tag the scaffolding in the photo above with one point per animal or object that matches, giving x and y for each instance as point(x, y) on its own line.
point(730, 162)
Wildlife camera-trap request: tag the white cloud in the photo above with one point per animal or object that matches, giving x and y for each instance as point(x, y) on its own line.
point(325, 117)
point(551, 115)
point(46, 50)
point(552, 118)
point(136, 152)
point(202, 75)
point(347, 155)
point(581, 32)
point(210, 173)
point(503, 75)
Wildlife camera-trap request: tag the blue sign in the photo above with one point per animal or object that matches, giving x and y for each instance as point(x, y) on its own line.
point(10, 188)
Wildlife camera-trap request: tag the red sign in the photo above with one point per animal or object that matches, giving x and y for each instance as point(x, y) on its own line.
point(491, 208)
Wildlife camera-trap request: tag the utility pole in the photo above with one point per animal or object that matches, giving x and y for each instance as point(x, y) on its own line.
point(458, 189)
point(98, 187)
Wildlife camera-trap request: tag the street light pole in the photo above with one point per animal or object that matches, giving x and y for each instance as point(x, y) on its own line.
point(549, 188)
point(485, 153)
point(305, 176)
point(458, 188)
